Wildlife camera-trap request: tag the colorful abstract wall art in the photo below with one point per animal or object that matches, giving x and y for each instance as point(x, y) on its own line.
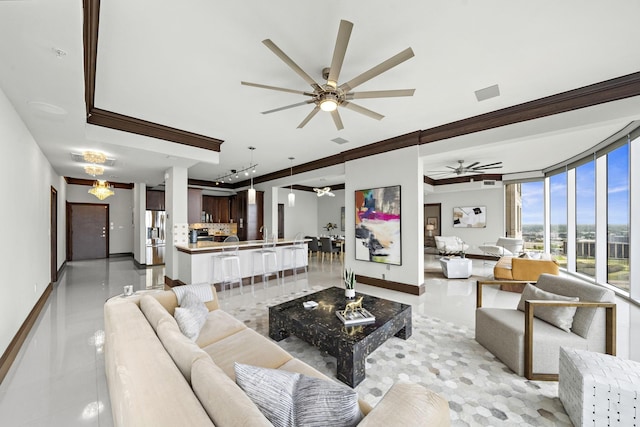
point(378, 237)
point(470, 217)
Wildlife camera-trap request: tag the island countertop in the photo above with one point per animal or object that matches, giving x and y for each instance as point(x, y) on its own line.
point(206, 246)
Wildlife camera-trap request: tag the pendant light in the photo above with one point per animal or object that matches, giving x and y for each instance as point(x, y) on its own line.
point(292, 196)
point(251, 194)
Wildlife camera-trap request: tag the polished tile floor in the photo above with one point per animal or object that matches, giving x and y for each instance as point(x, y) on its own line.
point(58, 377)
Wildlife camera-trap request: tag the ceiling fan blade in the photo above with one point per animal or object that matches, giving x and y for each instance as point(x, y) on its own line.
point(378, 69)
point(281, 89)
point(472, 165)
point(309, 117)
point(337, 120)
point(380, 94)
point(358, 109)
point(496, 165)
point(295, 67)
point(339, 51)
point(288, 106)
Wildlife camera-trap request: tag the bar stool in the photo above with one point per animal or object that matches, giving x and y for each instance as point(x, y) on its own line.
point(264, 256)
point(228, 258)
point(296, 248)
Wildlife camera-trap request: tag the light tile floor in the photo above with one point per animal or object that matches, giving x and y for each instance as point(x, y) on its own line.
point(58, 377)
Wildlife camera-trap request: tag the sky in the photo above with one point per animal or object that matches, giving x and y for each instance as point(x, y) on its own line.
point(617, 193)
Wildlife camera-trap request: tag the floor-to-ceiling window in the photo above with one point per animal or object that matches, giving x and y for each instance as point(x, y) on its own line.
point(618, 224)
point(558, 217)
point(533, 216)
point(586, 219)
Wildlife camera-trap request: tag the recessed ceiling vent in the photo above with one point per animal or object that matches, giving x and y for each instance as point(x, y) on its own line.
point(340, 140)
point(489, 182)
point(487, 93)
point(78, 157)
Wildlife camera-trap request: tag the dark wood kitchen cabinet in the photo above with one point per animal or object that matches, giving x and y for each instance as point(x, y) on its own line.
point(217, 207)
point(250, 218)
point(155, 200)
point(194, 210)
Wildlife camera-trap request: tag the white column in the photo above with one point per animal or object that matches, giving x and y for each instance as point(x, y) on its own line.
point(176, 202)
point(139, 225)
point(399, 167)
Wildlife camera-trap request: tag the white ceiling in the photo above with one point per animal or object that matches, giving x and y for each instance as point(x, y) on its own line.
point(180, 64)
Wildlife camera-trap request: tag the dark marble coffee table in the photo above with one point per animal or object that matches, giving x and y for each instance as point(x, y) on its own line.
point(350, 345)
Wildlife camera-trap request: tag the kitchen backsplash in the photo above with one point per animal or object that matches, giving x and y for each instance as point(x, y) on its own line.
point(217, 228)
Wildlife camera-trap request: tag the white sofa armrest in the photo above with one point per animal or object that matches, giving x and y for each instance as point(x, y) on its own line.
point(409, 405)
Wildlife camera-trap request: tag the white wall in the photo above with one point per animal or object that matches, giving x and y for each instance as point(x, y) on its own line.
point(121, 229)
point(26, 178)
point(303, 217)
point(400, 167)
point(470, 194)
point(329, 212)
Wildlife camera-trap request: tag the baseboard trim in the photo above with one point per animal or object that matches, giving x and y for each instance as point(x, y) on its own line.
point(394, 286)
point(12, 350)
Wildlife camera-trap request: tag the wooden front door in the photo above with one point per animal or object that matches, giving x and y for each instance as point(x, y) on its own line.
point(87, 231)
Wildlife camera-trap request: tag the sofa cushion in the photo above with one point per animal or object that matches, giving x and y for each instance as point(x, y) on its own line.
point(141, 375)
point(501, 331)
point(246, 346)
point(561, 317)
point(425, 404)
point(290, 399)
point(169, 301)
point(155, 312)
point(182, 350)
point(191, 315)
point(296, 365)
point(219, 325)
point(223, 399)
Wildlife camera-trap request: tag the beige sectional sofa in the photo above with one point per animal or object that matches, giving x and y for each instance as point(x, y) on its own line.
point(158, 377)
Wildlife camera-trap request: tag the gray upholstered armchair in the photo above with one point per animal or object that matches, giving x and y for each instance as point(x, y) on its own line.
point(529, 345)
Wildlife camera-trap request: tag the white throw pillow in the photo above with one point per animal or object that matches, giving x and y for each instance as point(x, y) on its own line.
point(291, 399)
point(191, 315)
point(561, 317)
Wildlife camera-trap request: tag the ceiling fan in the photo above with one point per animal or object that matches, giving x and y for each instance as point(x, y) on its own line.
point(330, 96)
point(326, 191)
point(473, 168)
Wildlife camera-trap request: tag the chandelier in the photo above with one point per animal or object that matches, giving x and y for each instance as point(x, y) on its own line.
point(101, 189)
point(94, 157)
point(94, 170)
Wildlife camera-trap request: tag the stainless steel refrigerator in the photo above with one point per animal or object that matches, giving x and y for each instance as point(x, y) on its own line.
point(155, 221)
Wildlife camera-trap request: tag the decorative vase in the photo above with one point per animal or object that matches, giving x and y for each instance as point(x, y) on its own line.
point(350, 293)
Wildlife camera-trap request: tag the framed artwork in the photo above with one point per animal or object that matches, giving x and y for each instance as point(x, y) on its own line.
point(342, 218)
point(470, 217)
point(378, 234)
point(433, 221)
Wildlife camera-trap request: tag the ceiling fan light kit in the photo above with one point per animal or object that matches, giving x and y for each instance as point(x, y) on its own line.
point(330, 96)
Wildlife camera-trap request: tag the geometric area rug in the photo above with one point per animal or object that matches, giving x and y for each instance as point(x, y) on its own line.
point(443, 357)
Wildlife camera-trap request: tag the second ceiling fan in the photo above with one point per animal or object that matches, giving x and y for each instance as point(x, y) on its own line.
point(330, 96)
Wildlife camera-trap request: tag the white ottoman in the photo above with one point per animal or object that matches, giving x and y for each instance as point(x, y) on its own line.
point(598, 389)
point(456, 268)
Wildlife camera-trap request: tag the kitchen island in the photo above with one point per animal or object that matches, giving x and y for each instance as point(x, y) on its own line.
point(198, 262)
